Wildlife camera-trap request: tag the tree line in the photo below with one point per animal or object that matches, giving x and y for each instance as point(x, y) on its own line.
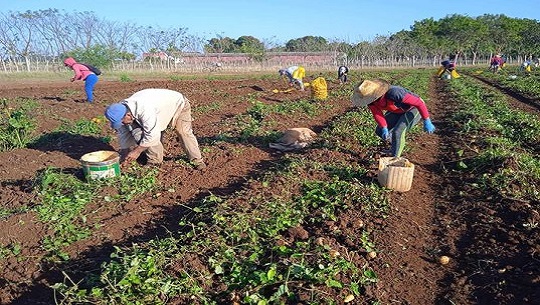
point(47, 36)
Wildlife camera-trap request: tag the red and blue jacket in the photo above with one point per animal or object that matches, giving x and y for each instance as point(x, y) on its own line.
point(397, 100)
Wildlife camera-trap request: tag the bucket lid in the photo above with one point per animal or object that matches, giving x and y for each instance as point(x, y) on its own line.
point(99, 156)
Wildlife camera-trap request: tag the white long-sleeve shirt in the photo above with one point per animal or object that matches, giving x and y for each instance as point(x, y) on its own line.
point(153, 110)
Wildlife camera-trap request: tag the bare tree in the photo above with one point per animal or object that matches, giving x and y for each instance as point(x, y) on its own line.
point(53, 31)
point(170, 41)
point(119, 36)
point(18, 37)
point(7, 40)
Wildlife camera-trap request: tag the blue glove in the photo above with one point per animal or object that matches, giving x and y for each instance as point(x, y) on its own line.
point(384, 133)
point(428, 126)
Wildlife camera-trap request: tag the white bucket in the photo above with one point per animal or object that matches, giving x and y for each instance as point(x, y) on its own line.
point(395, 173)
point(101, 164)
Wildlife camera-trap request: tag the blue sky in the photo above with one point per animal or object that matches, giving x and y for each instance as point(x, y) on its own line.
point(278, 21)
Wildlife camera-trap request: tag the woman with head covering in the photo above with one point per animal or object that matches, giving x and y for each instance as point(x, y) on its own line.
point(395, 109)
point(82, 72)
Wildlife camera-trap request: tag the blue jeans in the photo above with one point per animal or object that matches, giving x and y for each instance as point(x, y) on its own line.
point(89, 83)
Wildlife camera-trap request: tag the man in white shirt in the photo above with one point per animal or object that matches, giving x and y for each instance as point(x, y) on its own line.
point(141, 119)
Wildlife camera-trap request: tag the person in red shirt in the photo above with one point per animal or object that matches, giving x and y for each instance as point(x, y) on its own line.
point(496, 63)
point(395, 109)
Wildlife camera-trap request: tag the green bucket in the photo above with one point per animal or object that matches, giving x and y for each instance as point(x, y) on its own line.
point(101, 165)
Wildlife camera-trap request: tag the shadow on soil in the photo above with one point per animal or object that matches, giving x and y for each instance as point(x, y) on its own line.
point(75, 146)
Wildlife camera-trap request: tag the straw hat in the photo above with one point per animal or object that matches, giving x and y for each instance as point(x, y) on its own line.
point(368, 91)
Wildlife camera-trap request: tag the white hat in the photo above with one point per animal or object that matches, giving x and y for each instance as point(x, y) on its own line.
point(368, 91)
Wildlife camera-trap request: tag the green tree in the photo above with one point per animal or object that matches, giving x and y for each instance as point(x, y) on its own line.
point(220, 45)
point(98, 55)
point(307, 44)
point(251, 46)
point(424, 33)
point(530, 38)
point(495, 37)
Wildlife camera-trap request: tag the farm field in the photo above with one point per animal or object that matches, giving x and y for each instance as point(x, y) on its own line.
point(258, 226)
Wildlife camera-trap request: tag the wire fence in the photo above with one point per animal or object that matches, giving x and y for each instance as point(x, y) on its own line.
point(206, 64)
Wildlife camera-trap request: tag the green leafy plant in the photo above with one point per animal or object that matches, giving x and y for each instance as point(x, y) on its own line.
point(16, 124)
point(83, 126)
point(131, 277)
point(6, 212)
point(207, 108)
point(124, 78)
point(64, 198)
point(10, 250)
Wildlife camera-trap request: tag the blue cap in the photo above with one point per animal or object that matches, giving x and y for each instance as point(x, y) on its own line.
point(115, 114)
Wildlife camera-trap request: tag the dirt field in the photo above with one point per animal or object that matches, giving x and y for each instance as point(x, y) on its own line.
point(489, 263)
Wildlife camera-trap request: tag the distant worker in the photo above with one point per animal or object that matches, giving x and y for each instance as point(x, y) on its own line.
point(504, 59)
point(141, 119)
point(395, 109)
point(447, 70)
point(295, 76)
point(526, 67)
point(342, 74)
point(496, 63)
point(83, 73)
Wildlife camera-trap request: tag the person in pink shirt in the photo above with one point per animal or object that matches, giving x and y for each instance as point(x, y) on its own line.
point(395, 109)
point(83, 73)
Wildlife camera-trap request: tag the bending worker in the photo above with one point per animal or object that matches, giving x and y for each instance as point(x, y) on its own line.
point(83, 73)
point(141, 119)
point(496, 63)
point(342, 74)
point(295, 75)
point(395, 109)
point(448, 67)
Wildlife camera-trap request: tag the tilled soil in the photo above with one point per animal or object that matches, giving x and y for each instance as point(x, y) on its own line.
point(490, 263)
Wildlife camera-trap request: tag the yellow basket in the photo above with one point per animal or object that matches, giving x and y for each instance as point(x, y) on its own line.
point(395, 173)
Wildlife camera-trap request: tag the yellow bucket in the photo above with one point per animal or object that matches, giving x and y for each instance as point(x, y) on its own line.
point(395, 173)
point(101, 164)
